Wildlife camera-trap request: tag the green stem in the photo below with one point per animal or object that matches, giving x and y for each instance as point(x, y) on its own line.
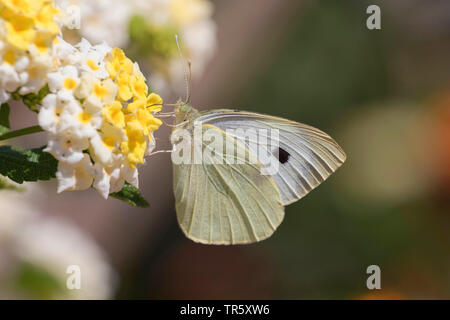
point(20, 132)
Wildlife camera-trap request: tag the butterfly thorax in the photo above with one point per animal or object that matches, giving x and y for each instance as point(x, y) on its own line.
point(185, 114)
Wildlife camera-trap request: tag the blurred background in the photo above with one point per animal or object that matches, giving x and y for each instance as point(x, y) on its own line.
point(384, 95)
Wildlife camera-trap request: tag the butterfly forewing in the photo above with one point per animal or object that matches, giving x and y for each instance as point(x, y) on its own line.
point(306, 156)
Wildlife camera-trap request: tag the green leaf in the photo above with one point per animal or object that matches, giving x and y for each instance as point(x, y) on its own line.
point(7, 185)
point(149, 40)
point(131, 195)
point(4, 118)
point(27, 165)
point(37, 282)
point(43, 93)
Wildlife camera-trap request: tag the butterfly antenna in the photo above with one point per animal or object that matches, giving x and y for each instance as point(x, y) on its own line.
point(187, 78)
point(189, 85)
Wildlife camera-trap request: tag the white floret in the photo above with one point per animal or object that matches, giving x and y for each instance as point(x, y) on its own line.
point(66, 148)
point(75, 177)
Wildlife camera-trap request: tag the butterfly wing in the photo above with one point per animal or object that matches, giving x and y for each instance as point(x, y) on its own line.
point(306, 156)
point(228, 202)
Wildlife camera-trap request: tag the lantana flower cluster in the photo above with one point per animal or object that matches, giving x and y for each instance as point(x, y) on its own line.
point(28, 29)
point(99, 116)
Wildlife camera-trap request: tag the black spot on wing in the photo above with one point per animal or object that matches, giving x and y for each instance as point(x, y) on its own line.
point(283, 155)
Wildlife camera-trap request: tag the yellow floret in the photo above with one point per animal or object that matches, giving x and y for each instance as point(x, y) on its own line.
point(45, 19)
point(22, 7)
point(100, 91)
point(9, 57)
point(137, 104)
point(20, 32)
point(84, 117)
point(136, 145)
point(114, 114)
point(92, 65)
point(139, 87)
point(123, 84)
point(111, 135)
point(154, 102)
point(148, 121)
point(117, 61)
point(70, 84)
point(29, 22)
point(43, 42)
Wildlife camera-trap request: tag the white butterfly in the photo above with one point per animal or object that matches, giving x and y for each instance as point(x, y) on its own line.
point(232, 202)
